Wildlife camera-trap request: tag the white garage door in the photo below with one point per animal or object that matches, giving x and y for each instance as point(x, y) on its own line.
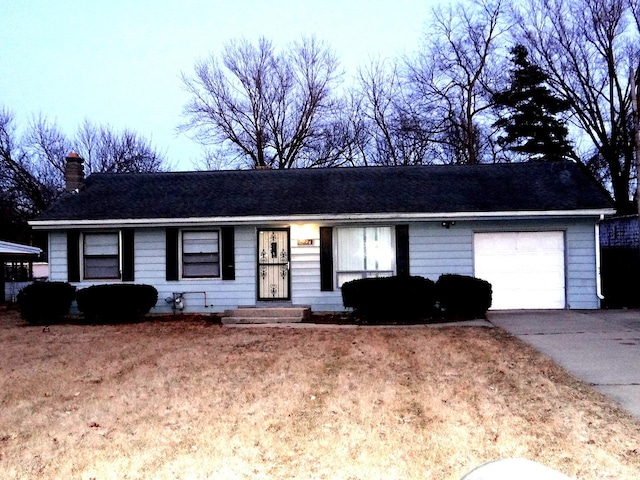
point(525, 269)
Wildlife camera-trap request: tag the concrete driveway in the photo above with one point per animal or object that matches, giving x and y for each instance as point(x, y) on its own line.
point(601, 347)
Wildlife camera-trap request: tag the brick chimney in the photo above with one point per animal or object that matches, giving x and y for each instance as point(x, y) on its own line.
point(74, 172)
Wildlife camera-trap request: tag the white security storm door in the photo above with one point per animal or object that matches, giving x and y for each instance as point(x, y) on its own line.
point(273, 264)
point(526, 269)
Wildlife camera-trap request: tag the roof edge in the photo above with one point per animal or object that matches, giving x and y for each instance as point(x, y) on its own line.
point(336, 218)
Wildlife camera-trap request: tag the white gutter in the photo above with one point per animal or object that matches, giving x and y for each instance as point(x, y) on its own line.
point(10, 248)
point(333, 218)
point(598, 267)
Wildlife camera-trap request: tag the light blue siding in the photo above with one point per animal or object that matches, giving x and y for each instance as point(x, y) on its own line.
point(149, 258)
point(580, 254)
point(433, 251)
point(220, 294)
point(581, 266)
point(305, 276)
point(58, 257)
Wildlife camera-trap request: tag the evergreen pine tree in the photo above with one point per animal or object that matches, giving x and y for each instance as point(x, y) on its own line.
point(529, 113)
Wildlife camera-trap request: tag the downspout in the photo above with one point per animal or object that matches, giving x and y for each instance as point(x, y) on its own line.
point(598, 272)
point(120, 259)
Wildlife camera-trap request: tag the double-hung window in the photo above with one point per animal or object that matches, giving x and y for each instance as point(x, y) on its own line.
point(101, 255)
point(200, 254)
point(364, 252)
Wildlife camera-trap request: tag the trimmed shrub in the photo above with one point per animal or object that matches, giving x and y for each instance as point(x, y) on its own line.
point(114, 303)
point(48, 302)
point(464, 297)
point(388, 299)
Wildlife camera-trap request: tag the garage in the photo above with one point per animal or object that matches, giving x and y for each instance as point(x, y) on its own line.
point(526, 269)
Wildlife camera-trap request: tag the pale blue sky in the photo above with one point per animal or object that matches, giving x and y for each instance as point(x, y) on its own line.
point(119, 62)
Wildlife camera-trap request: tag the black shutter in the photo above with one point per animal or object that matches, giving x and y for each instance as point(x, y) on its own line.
point(326, 259)
point(172, 254)
point(128, 274)
point(402, 250)
point(228, 253)
point(73, 256)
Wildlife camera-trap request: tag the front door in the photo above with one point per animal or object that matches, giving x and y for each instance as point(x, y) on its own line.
point(273, 264)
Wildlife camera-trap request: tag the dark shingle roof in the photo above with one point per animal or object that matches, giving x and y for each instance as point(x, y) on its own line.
point(539, 186)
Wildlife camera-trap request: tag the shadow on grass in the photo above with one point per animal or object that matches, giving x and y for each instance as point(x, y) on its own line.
point(352, 318)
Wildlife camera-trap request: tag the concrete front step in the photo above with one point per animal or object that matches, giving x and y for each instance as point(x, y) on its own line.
point(266, 315)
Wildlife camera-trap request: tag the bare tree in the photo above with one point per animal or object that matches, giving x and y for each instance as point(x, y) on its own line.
point(32, 163)
point(108, 151)
point(634, 5)
point(45, 149)
point(454, 74)
point(396, 133)
point(21, 159)
point(256, 107)
point(587, 48)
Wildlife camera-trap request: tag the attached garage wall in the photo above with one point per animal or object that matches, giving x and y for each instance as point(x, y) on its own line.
point(435, 250)
point(526, 269)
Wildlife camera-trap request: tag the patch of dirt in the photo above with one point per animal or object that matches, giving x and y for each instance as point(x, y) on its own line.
point(331, 318)
point(10, 317)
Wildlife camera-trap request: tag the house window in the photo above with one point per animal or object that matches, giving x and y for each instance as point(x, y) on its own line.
point(101, 256)
point(363, 252)
point(200, 254)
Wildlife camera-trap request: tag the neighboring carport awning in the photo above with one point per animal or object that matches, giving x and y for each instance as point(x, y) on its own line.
point(13, 257)
point(16, 251)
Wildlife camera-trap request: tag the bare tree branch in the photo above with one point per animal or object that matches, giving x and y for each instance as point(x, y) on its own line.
point(398, 133)
point(108, 151)
point(261, 108)
point(587, 47)
point(32, 164)
point(454, 72)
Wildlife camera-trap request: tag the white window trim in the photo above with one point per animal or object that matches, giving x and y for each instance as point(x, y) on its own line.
point(83, 270)
point(181, 254)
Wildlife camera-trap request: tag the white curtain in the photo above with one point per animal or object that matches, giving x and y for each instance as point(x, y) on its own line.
point(364, 252)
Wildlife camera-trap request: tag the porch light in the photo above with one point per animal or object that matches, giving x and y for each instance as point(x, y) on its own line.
point(304, 234)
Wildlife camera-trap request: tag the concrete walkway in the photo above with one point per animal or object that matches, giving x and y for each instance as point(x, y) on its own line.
point(601, 347)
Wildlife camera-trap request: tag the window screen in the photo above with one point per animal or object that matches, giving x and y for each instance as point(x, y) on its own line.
point(101, 260)
point(200, 254)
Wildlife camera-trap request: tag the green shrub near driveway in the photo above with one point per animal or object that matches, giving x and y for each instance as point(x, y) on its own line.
point(116, 302)
point(392, 299)
point(48, 302)
point(463, 297)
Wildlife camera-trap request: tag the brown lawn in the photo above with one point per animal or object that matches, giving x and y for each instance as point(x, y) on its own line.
point(189, 399)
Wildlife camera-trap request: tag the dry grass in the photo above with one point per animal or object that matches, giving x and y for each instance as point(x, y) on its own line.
point(190, 399)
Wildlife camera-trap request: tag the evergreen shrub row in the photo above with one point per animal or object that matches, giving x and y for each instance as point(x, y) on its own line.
point(116, 302)
point(393, 299)
point(49, 302)
point(44, 301)
point(408, 298)
point(461, 296)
